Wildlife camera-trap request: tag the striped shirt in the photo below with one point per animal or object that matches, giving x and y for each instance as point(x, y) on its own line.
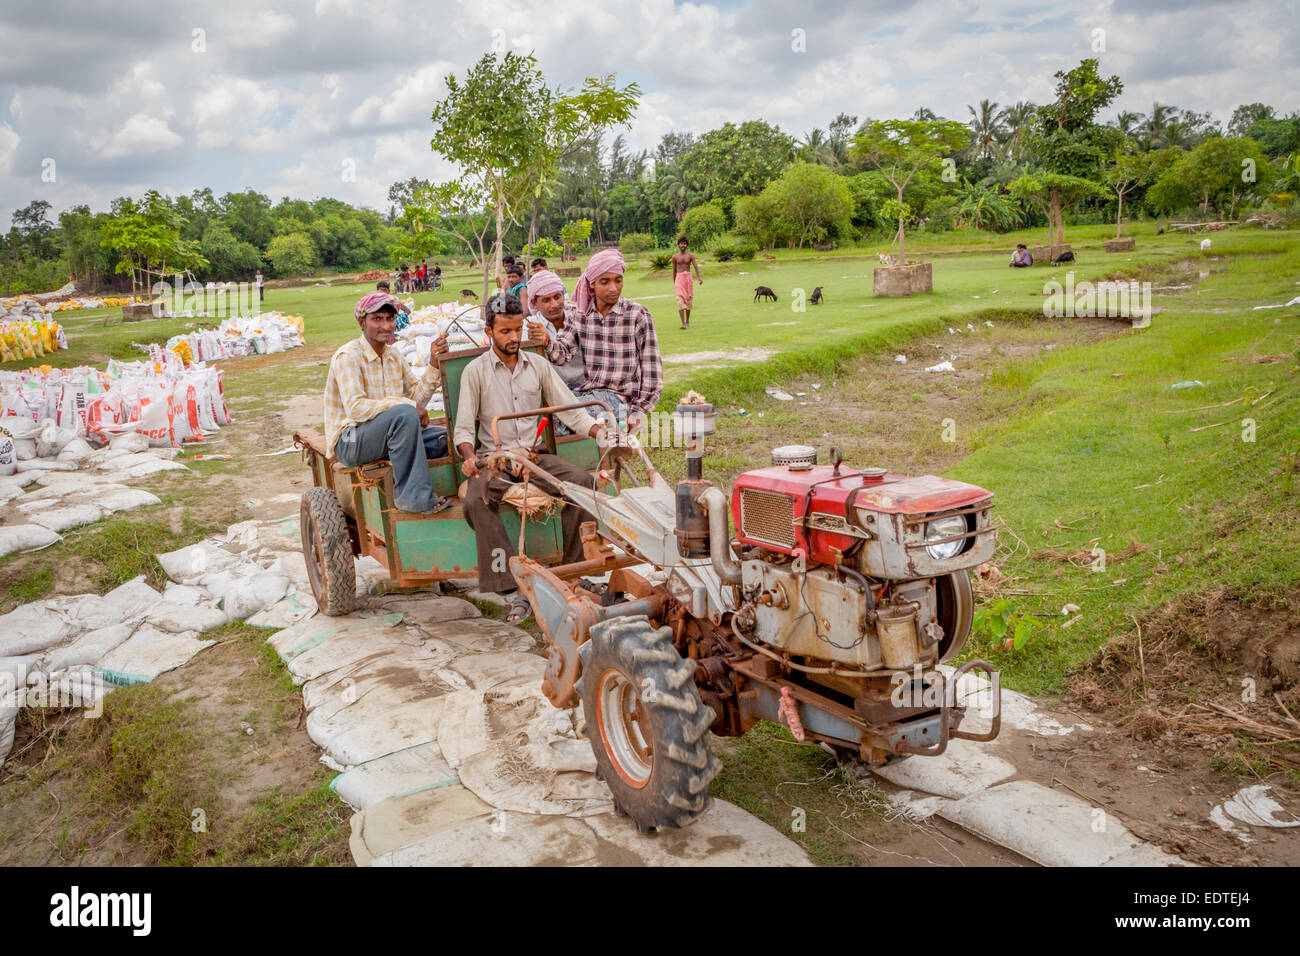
point(620, 350)
point(488, 389)
point(362, 384)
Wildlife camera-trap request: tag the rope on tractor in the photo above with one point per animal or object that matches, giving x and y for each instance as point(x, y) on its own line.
point(789, 712)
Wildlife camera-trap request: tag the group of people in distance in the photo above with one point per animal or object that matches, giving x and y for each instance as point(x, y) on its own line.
point(419, 278)
point(599, 346)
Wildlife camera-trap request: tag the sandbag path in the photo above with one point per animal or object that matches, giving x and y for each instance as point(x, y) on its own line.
point(77, 487)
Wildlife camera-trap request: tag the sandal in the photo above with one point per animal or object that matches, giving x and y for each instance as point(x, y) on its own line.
point(520, 610)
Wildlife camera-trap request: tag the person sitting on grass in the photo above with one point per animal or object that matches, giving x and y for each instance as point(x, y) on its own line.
point(501, 381)
point(375, 407)
point(1021, 257)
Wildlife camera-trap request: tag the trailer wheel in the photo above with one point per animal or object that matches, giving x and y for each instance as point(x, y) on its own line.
point(327, 546)
point(646, 723)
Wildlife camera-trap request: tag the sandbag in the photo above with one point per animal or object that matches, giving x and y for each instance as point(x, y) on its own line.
point(33, 627)
point(25, 537)
point(247, 595)
point(183, 594)
point(126, 499)
point(89, 647)
point(24, 449)
point(69, 516)
point(126, 604)
point(8, 457)
point(148, 653)
point(178, 618)
point(189, 565)
point(75, 450)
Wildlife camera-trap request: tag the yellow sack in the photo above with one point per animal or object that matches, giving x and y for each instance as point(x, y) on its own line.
point(37, 348)
point(26, 344)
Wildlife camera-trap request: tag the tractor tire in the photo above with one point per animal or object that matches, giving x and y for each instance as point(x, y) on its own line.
point(956, 598)
point(327, 546)
point(647, 725)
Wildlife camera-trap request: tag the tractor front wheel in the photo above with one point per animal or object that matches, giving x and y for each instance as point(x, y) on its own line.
point(647, 725)
point(327, 546)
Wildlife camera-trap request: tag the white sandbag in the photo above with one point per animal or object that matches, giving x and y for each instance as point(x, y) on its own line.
point(126, 604)
point(131, 442)
point(24, 449)
point(8, 458)
point(191, 564)
point(25, 537)
point(69, 516)
point(75, 450)
point(407, 771)
point(21, 479)
point(149, 468)
point(148, 653)
point(8, 718)
point(67, 482)
point(21, 427)
point(247, 596)
point(53, 439)
point(45, 464)
point(8, 492)
point(295, 606)
point(178, 618)
point(89, 647)
point(126, 499)
point(35, 504)
point(80, 687)
point(183, 594)
point(30, 628)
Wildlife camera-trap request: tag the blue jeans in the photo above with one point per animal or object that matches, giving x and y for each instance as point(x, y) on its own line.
point(612, 399)
point(396, 435)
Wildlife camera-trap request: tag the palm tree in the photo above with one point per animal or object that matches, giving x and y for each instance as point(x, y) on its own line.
point(674, 191)
point(1015, 124)
point(816, 148)
point(1155, 129)
point(986, 127)
point(1128, 123)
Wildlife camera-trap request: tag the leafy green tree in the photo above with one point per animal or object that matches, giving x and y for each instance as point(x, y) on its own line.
point(701, 224)
point(902, 148)
point(634, 242)
point(503, 111)
point(1127, 172)
point(986, 128)
point(1052, 194)
point(1277, 137)
point(146, 237)
point(1223, 171)
point(737, 161)
point(228, 258)
point(292, 254)
point(574, 233)
point(248, 215)
point(1247, 115)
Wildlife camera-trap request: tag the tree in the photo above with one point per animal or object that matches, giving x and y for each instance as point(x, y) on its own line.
point(674, 191)
point(1052, 194)
point(737, 160)
point(461, 206)
point(146, 236)
point(502, 112)
point(672, 147)
point(34, 227)
point(703, 224)
point(1247, 115)
point(292, 255)
point(986, 127)
point(574, 233)
point(811, 204)
point(227, 256)
point(901, 148)
point(1222, 171)
point(1015, 126)
point(1128, 171)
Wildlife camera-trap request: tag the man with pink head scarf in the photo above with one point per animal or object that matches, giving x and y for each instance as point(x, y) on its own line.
point(615, 338)
point(548, 302)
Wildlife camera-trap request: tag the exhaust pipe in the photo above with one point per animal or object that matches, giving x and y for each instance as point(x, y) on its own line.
point(714, 502)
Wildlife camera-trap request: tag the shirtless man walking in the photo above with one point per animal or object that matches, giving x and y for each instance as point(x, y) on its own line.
point(683, 287)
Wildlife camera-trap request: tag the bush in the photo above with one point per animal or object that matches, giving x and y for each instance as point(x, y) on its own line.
point(635, 242)
point(546, 248)
point(661, 260)
point(745, 251)
point(703, 223)
point(721, 249)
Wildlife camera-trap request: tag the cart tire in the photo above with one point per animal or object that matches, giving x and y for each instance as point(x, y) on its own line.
point(647, 725)
point(327, 546)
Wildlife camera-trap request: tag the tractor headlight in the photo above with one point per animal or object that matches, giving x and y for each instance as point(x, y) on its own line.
point(941, 528)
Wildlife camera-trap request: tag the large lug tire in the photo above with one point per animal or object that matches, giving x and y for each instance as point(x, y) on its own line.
point(647, 725)
point(327, 546)
point(956, 599)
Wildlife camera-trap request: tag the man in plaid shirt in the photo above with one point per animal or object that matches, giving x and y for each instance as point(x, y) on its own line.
point(375, 407)
point(616, 338)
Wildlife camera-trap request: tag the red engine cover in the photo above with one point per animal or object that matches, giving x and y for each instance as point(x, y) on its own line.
point(769, 506)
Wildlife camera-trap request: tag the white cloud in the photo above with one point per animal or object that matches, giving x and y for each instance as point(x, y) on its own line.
point(8, 146)
point(138, 136)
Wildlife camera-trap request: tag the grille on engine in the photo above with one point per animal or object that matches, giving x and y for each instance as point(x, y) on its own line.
point(767, 517)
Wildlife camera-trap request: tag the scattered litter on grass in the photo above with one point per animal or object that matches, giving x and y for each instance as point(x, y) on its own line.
point(212, 458)
point(282, 451)
point(1284, 305)
point(941, 367)
point(1191, 384)
point(900, 359)
point(779, 394)
point(1254, 806)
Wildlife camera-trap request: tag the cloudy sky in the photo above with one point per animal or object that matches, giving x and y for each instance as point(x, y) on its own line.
point(99, 100)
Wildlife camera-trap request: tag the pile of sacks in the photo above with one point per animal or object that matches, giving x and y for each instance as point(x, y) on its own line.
point(29, 338)
point(262, 334)
point(465, 331)
point(162, 399)
point(39, 306)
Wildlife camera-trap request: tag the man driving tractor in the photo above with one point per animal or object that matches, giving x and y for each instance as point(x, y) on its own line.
point(502, 381)
point(375, 407)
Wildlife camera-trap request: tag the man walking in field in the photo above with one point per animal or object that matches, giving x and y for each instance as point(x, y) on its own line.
point(683, 287)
